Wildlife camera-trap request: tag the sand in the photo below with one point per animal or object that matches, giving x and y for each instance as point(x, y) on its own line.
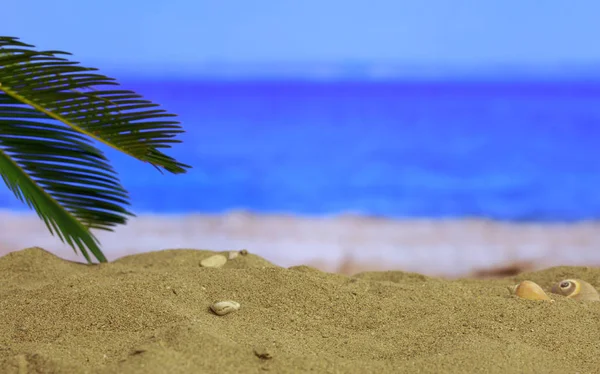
point(149, 313)
point(341, 243)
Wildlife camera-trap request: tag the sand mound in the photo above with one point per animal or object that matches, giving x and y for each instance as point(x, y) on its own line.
point(149, 313)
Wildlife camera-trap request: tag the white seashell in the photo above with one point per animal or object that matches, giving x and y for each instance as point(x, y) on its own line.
point(222, 308)
point(215, 261)
point(233, 254)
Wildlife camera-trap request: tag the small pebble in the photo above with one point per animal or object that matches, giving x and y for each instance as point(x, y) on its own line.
point(244, 252)
point(222, 308)
point(215, 261)
point(262, 353)
point(233, 254)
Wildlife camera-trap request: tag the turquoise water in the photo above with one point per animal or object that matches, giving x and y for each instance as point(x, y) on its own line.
point(522, 151)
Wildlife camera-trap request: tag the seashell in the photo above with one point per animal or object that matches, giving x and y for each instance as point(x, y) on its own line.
point(215, 261)
point(530, 290)
point(576, 289)
point(222, 308)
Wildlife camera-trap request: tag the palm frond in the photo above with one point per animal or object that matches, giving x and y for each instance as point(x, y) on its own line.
point(50, 110)
point(58, 173)
point(75, 96)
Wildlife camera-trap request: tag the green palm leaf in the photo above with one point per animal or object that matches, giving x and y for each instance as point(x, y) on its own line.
point(50, 110)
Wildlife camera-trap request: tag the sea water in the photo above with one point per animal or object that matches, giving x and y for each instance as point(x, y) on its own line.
point(509, 151)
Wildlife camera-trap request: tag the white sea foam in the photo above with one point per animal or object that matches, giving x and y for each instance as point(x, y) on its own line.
point(435, 247)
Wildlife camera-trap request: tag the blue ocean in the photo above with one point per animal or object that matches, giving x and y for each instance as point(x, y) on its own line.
point(506, 151)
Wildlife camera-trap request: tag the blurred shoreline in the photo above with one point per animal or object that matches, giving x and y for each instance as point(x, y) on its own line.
point(345, 243)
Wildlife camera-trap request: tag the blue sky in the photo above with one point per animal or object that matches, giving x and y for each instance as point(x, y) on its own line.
point(152, 35)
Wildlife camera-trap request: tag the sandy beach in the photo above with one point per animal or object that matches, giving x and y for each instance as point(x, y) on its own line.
point(345, 243)
point(150, 313)
point(149, 309)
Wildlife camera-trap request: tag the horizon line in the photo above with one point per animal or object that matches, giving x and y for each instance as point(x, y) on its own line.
point(352, 71)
